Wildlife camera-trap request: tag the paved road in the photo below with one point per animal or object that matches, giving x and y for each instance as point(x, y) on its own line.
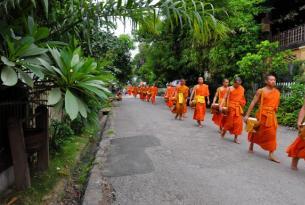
point(155, 160)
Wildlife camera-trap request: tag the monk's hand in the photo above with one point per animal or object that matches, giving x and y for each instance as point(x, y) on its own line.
point(246, 118)
point(300, 126)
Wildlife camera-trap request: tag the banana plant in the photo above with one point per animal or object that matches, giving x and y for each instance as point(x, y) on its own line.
point(20, 59)
point(76, 79)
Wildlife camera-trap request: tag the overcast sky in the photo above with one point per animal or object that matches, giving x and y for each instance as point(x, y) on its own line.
point(121, 29)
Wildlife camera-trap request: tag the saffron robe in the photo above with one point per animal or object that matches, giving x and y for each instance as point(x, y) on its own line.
point(233, 122)
point(154, 93)
point(297, 148)
point(201, 92)
point(170, 91)
point(182, 93)
point(265, 136)
point(135, 91)
point(218, 117)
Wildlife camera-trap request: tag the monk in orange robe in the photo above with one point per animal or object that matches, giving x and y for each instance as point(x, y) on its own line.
point(129, 90)
point(235, 101)
point(169, 95)
point(201, 95)
point(135, 91)
point(154, 93)
point(181, 94)
point(148, 93)
point(219, 95)
point(142, 92)
point(297, 149)
point(265, 135)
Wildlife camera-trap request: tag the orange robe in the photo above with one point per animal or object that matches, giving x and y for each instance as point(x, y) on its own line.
point(180, 107)
point(265, 136)
point(218, 117)
point(297, 148)
point(170, 94)
point(200, 109)
point(129, 90)
point(154, 92)
point(135, 91)
point(142, 93)
point(148, 95)
point(233, 122)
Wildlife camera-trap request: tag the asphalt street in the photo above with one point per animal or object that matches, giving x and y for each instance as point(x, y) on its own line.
point(156, 160)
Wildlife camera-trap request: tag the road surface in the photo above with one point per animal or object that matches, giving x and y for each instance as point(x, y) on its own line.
point(156, 160)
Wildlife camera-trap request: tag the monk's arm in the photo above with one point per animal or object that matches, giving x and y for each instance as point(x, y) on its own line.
point(208, 95)
point(215, 97)
point(301, 115)
point(193, 93)
point(224, 100)
point(253, 103)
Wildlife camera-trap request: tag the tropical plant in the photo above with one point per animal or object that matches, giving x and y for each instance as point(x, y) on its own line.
point(76, 79)
point(20, 52)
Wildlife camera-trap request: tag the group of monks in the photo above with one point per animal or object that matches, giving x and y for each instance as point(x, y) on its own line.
point(228, 113)
point(147, 93)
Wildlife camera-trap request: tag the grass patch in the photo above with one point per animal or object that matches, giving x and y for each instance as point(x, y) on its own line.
point(110, 132)
point(61, 165)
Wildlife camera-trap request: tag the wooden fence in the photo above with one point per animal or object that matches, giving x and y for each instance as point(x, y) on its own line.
point(291, 38)
point(285, 88)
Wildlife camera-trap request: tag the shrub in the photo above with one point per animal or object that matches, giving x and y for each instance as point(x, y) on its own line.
point(290, 105)
point(59, 132)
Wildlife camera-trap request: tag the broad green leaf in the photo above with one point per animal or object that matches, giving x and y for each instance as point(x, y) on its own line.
point(33, 50)
point(90, 88)
point(23, 45)
point(75, 60)
point(82, 108)
point(31, 24)
point(26, 78)
point(54, 96)
point(45, 4)
point(36, 69)
point(56, 55)
point(7, 61)
point(41, 33)
point(9, 76)
point(45, 64)
point(71, 105)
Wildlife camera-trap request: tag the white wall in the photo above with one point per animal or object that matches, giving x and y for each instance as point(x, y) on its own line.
point(6, 179)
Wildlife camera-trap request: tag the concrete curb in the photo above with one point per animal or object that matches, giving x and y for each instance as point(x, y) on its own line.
point(98, 185)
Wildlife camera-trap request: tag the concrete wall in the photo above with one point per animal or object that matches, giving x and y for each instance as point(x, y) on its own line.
point(6, 179)
point(299, 53)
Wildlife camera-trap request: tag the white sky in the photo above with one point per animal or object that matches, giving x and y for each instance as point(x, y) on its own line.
point(127, 29)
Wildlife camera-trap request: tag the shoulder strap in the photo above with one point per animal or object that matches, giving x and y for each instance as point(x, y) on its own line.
point(228, 95)
point(261, 103)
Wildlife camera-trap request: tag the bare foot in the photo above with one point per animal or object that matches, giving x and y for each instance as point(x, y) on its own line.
point(222, 134)
point(294, 164)
point(273, 159)
point(236, 141)
point(251, 148)
point(200, 126)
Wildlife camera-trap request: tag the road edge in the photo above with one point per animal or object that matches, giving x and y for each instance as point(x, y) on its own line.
point(98, 190)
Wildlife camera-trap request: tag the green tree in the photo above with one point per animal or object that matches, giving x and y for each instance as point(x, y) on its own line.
point(267, 59)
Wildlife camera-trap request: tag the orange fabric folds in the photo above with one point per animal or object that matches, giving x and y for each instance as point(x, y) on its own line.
point(233, 122)
point(201, 92)
point(265, 136)
point(181, 107)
